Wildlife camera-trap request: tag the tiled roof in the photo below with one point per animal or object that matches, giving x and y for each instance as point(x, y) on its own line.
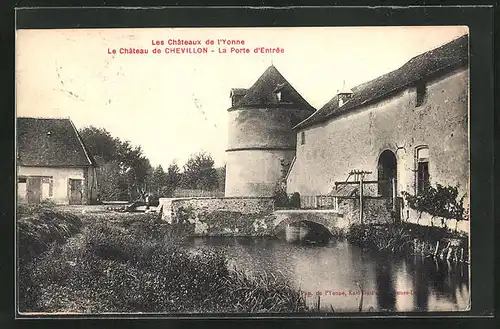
point(264, 92)
point(450, 55)
point(50, 143)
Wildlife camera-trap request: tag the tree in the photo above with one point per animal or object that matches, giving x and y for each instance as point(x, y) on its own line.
point(123, 169)
point(158, 179)
point(99, 143)
point(109, 179)
point(199, 172)
point(172, 179)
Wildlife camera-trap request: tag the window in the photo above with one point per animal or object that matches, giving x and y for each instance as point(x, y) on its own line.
point(423, 180)
point(21, 188)
point(278, 94)
point(302, 137)
point(421, 93)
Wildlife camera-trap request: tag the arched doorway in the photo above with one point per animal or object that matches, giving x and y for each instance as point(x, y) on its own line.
point(387, 170)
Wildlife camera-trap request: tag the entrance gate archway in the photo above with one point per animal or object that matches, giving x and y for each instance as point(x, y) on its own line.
point(387, 171)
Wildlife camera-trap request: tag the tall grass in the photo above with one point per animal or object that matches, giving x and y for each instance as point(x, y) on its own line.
point(39, 226)
point(383, 238)
point(263, 292)
point(137, 264)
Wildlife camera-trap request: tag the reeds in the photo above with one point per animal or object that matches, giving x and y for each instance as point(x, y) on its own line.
point(263, 292)
point(136, 265)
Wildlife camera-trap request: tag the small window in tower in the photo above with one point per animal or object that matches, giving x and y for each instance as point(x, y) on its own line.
point(421, 92)
point(302, 137)
point(423, 179)
point(278, 94)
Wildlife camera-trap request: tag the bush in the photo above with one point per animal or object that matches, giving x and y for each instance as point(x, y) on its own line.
point(134, 265)
point(280, 197)
point(440, 201)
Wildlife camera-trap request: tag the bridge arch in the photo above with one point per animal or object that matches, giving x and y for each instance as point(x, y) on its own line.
point(320, 223)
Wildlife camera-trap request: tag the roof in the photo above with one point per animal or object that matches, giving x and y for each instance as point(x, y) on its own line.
point(430, 63)
point(263, 92)
point(50, 143)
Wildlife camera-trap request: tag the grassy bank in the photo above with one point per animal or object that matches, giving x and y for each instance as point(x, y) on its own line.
point(40, 226)
point(408, 238)
point(135, 263)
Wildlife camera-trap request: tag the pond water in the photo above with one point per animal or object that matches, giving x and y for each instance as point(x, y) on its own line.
point(338, 271)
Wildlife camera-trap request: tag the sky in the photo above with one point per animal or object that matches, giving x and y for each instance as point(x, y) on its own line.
point(175, 105)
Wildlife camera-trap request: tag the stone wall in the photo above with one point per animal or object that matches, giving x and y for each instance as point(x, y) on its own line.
point(220, 216)
point(375, 210)
point(412, 216)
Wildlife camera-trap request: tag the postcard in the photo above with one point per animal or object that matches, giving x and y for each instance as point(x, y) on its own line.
point(277, 170)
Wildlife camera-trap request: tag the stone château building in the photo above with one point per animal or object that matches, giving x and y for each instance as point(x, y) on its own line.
point(261, 136)
point(409, 125)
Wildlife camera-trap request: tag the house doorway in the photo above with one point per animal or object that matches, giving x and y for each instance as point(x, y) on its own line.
point(33, 189)
point(387, 171)
point(75, 191)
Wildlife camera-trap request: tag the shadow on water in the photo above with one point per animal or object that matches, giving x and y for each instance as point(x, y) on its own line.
point(384, 282)
point(420, 282)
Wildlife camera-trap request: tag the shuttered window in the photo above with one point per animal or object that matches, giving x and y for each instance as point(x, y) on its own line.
point(423, 178)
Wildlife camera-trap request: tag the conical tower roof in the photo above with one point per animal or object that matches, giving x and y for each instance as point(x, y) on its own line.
point(264, 92)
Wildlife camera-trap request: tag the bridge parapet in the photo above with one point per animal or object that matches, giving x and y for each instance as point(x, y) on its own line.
point(332, 220)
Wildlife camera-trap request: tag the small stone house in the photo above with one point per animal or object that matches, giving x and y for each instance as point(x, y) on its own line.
point(53, 163)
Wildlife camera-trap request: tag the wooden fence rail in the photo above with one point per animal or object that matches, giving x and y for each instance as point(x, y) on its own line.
point(318, 202)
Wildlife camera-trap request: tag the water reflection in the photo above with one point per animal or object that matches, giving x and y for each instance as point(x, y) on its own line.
point(338, 272)
point(384, 278)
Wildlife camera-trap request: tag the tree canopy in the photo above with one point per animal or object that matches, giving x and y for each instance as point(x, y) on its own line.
point(123, 168)
point(125, 173)
point(199, 172)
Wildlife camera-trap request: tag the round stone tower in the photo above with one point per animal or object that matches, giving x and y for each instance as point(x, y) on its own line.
point(261, 138)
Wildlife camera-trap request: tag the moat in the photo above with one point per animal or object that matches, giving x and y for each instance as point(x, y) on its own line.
point(339, 271)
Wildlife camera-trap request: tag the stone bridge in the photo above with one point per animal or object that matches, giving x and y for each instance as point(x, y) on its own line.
point(258, 217)
point(332, 220)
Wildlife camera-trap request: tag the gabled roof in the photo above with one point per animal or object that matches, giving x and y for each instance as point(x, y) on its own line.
point(264, 92)
point(50, 143)
point(443, 58)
